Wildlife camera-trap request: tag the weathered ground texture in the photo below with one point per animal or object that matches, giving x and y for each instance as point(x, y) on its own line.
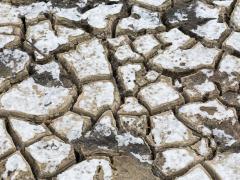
point(119, 90)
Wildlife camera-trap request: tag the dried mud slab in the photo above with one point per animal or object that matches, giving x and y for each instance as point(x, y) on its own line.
point(91, 168)
point(223, 165)
point(50, 156)
point(175, 161)
point(231, 99)
point(212, 118)
point(235, 19)
point(155, 5)
point(159, 97)
point(14, 66)
point(15, 167)
point(6, 144)
point(140, 21)
point(45, 94)
point(71, 126)
point(197, 172)
point(167, 131)
point(88, 62)
point(231, 44)
point(25, 133)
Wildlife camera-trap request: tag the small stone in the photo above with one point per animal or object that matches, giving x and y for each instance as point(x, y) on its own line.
point(15, 167)
point(71, 126)
point(50, 156)
point(96, 98)
point(6, 144)
point(173, 162)
point(25, 132)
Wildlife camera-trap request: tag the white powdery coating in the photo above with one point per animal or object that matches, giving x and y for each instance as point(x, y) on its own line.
point(168, 129)
point(89, 59)
point(71, 125)
point(222, 135)
point(34, 99)
point(222, 113)
point(196, 173)
point(128, 73)
point(177, 159)
point(230, 64)
point(5, 140)
point(233, 41)
point(49, 152)
point(13, 166)
point(126, 139)
point(15, 59)
point(63, 31)
point(159, 93)
point(26, 130)
point(125, 52)
point(87, 169)
point(145, 44)
point(203, 148)
point(118, 41)
point(5, 39)
point(172, 59)
point(98, 16)
point(143, 158)
point(152, 75)
point(147, 20)
point(212, 30)
point(226, 165)
point(152, 2)
point(175, 37)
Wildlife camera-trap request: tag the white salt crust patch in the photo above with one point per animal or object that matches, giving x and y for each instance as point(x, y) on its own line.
point(235, 17)
point(232, 42)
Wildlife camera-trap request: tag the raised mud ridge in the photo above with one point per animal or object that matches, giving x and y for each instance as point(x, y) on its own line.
point(119, 89)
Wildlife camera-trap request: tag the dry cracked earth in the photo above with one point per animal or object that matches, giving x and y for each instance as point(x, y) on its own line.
point(120, 90)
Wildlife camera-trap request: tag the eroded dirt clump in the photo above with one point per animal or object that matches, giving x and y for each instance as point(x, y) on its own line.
point(119, 90)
